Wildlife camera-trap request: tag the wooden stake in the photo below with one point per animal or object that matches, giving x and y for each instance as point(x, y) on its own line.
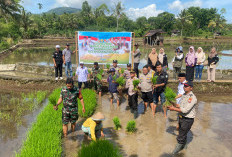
point(76, 48)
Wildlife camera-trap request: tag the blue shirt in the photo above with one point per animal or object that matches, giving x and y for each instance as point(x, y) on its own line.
point(112, 86)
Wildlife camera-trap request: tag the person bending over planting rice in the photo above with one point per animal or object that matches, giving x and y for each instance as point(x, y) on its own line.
point(93, 125)
point(69, 95)
point(113, 86)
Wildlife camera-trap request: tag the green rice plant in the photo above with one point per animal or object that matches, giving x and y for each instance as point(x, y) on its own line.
point(114, 77)
point(167, 68)
point(53, 98)
point(122, 71)
point(89, 71)
point(121, 81)
point(44, 137)
point(131, 126)
point(108, 66)
point(40, 96)
point(99, 148)
point(117, 124)
point(170, 95)
point(90, 102)
point(74, 73)
point(136, 83)
point(99, 77)
point(101, 71)
point(154, 80)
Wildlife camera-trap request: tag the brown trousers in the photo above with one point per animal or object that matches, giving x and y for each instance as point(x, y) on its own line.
point(211, 72)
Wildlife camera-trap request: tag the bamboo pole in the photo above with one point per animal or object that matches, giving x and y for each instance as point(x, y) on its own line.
point(76, 48)
point(132, 56)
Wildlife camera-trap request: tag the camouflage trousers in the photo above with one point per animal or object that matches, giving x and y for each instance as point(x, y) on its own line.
point(69, 114)
point(97, 85)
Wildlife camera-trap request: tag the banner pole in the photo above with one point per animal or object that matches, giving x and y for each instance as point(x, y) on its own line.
point(76, 48)
point(133, 50)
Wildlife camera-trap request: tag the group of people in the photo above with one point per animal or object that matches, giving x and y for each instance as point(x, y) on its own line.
point(151, 93)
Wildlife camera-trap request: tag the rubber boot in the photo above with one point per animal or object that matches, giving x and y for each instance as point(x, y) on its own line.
point(178, 148)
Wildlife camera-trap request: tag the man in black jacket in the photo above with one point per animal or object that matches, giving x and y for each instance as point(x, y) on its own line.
point(58, 62)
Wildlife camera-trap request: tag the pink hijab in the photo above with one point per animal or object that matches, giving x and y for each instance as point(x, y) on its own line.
point(191, 56)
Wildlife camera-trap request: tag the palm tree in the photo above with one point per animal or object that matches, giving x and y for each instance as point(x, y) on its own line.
point(184, 18)
point(118, 12)
point(9, 8)
point(40, 6)
point(26, 22)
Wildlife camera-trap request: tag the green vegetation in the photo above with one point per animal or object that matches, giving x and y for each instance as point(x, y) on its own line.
point(121, 81)
point(99, 77)
point(90, 101)
point(114, 77)
point(44, 138)
point(170, 95)
point(89, 71)
point(99, 148)
point(136, 83)
point(108, 66)
point(101, 72)
point(154, 79)
point(117, 124)
point(122, 70)
point(63, 10)
point(131, 126)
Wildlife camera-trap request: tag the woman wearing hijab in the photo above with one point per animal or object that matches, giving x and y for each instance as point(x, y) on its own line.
point(190, 60)
point(177, 61)
point(163, 59)
point(212, 61)
point(152, 59)
point(200, 61)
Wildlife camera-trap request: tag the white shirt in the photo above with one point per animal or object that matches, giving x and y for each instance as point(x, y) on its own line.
point(82, 74)
point(180, 91)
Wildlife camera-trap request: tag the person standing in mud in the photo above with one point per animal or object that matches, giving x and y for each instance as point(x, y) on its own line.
point(67, 54)
point(136, 55)
point(69, 95)
point(187, 113)
point(113, 86)
point(58, 62)
point(97, 83)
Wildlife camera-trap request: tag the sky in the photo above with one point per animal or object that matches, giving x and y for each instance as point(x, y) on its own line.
point(135, 8)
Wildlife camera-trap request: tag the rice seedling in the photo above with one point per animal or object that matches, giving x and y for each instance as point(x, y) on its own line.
point(170, 95)
point(101, 71)
point(117, 124)
point(122, 71)
point(121, 81)
point(99, 77)
point(131, 126)
point(99, 148)
point(74, 73)
point(108, 66)
point(90, 101)
point(114, 77)
point(167, 68)
point(154, 79)
point(136, 83)
point(89, 71)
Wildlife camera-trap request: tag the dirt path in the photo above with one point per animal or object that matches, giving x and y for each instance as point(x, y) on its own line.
point(210, 134)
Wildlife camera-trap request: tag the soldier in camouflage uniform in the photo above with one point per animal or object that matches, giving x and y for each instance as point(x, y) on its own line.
point(97, 83)
point(69, 95)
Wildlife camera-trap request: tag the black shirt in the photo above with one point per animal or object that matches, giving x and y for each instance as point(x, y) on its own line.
point(214, 59)
point(162, 78)
point(58, 56)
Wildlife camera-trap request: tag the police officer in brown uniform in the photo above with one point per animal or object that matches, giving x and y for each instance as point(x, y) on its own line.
point(187, 112)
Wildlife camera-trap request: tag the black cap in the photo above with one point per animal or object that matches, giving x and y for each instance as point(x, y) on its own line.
point(182, 75)
point(95, 63)
point(188, 83)
point(115, 61)
point(128, 65)
point(67, 44)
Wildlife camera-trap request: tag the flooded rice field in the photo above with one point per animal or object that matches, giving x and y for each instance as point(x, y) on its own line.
point(210, 134)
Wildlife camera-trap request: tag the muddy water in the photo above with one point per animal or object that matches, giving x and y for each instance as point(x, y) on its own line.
point(12, 135)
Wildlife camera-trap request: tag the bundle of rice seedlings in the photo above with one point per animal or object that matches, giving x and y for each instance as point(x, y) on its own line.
point(170, 95)
point(114, 77)
point(131, 126)
point(89, 71)
point(108, 66)
point(99, 77)
point(99, 148)
point(136, 83)
point(101, 72)
point(154, 79)
point(121, 81)
point(122, 71)
point(117, 124)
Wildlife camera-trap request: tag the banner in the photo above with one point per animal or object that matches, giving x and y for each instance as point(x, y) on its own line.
point(104, 47)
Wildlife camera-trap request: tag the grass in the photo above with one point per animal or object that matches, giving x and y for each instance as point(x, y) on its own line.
point(99, 148)
point(154, 79)
point(170, 95)
point(44, 137)
point(90, 102)
point(131, 126)
point(117, 124)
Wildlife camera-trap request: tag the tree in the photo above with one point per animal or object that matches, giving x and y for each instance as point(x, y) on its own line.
point(218, 22)
point(184, 18)
point(118, 12)
point(40, 6)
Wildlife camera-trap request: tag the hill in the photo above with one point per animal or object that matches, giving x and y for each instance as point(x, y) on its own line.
point(62, 10)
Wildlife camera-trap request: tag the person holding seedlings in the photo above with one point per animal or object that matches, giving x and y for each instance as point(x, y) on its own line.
point(132, 94)
point(58, 62)
point(92, 125)
point(146, 88)
point(187, 113)
point(67, 53)
point(113, 86)
point(69, 95)
point(126, 73)
point(136, 55)
point(159, 87)
point(96, 81)
point(115, 66)
point(177, 61)
point(190, 60)
point(82, 75)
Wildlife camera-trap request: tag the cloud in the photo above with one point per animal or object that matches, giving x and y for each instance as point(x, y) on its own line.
point(177, 5)
point(147, 11)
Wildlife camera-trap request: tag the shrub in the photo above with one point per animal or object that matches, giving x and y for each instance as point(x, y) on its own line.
point(99, 148)
point(154, 79)
point(131, 126)
point(90, 102)
point(117, 124)
point(170, 95)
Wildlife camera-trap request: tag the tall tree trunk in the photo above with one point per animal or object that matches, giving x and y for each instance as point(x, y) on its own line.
point(117, 25)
